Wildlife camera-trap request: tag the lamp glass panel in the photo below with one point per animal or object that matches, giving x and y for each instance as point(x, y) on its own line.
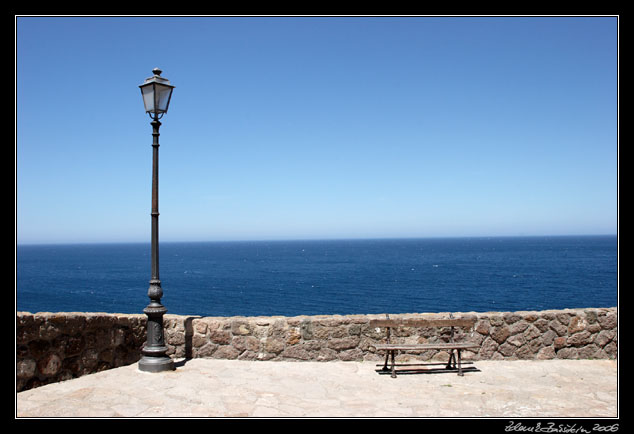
point(162, 97)
point(148, 97)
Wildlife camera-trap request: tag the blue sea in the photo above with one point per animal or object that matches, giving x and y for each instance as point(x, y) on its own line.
point(324, 277)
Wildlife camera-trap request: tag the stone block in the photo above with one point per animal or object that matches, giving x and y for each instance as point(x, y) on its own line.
point(226, 352)
point(240, 327)
point(506, 349)
point(546, 353)
point(351, 355)
point(532, 333)
point(558, 327)
point(496, 320)
point(200, 327)
point(488, 348)
point(568, 353)
point(608, 321)
point(559, 342)
point(549, 337)
point(49, 365)
point(576, 324)
point(354, 329)
point(604, 337)
point(517, 340)
point(296, 352)
point(563, 318)
point(343, 343)
point(220, 337)
point(588, 352)
point(306, 329)
point(518, 327)
point(294, 337)
point(246, 343)
point(542, 324)
point(205, 350)
point(90, 358)
point(482, 327)
point(525, 352)
point(500, 334)
point(511, 317)
point(273, 345)
point(579, 339)
point(25, 368)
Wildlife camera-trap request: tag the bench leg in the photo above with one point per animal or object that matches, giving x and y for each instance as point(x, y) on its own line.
point(451, 357)
point(460, 364)
point(387, 356)
point(393, 365)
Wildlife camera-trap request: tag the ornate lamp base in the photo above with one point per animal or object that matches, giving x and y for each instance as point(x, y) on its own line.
point(156, 364)
point(154, 358)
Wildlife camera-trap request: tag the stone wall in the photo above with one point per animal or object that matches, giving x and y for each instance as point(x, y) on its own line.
point(570, 334)
point(54, 347)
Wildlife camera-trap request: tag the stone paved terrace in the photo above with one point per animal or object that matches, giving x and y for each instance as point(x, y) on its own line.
point(252, 389)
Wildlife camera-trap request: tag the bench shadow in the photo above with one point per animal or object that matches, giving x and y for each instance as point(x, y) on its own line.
point(409, 370)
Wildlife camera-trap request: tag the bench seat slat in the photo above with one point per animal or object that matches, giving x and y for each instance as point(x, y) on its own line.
point(440, 346)
point(405, 322)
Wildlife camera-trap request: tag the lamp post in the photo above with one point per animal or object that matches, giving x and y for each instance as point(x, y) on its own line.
point(156, 92)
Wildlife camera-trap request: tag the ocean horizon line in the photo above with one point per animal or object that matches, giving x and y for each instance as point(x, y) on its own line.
point(325, 239)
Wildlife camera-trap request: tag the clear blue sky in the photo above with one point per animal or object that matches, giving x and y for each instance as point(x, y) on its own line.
point(317, 127)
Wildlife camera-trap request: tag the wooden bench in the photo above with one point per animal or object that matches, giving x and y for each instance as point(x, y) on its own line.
point(391, 348)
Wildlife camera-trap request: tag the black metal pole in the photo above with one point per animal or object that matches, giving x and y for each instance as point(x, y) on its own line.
point(154, 358)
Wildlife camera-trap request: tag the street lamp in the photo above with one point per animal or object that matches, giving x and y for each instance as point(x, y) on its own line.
point(157, 92)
